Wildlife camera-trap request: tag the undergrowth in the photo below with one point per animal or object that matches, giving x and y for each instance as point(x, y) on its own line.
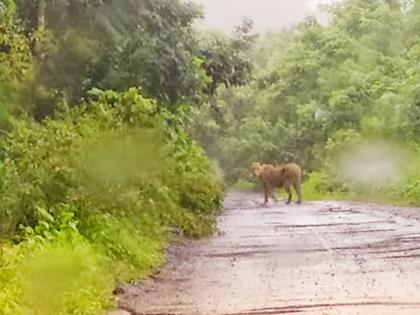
point(92, 198)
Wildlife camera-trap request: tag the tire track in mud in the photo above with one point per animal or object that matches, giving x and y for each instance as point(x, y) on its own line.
point(302, 308)
point(318, 258)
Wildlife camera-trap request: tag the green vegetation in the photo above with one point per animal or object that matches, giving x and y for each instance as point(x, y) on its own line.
point(91, 197)
point(98, 170)
point(116, 119)
point(340, 99)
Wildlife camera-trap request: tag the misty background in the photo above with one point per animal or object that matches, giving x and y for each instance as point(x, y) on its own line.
point(267, 15)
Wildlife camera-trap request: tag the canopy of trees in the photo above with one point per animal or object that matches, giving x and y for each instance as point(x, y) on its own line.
point(317, 85)
point(73, 46)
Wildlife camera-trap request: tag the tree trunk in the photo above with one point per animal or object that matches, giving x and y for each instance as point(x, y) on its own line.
point(40, 26)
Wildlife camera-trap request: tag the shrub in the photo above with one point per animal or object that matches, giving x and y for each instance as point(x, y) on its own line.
point(116, 155)
point(91, 197)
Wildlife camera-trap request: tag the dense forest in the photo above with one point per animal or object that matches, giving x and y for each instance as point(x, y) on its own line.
point(122, 124)
point(342, 100)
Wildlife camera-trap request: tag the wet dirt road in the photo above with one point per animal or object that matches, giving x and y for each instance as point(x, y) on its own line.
point(316, 258)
